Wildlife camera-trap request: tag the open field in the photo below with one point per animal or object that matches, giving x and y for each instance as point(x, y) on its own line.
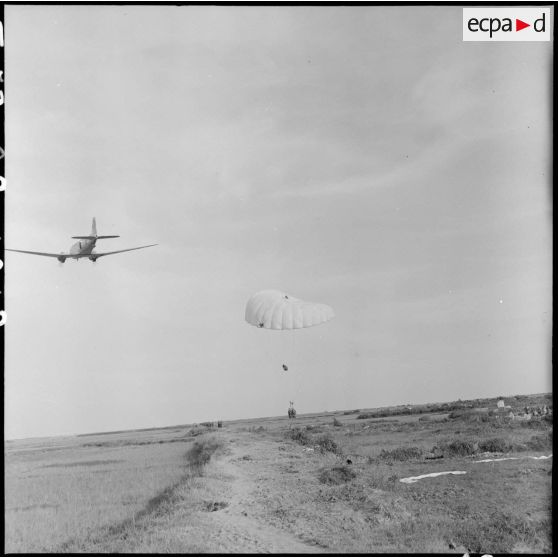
point(328, 483)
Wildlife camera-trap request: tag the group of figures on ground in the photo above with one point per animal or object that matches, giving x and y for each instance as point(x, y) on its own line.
point(291, 411)
point(539, 411)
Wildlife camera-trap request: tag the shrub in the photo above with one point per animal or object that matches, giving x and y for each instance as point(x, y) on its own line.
point(200, 453)
point(460, 447)
point(327, 443)
point(337, 422)
point(300, 436)
point(322, 443)
point(401, 454)
point(425, 418)
point(337, 475)
point(494, 445)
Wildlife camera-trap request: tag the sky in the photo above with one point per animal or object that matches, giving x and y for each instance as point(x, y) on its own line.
point(363, 157)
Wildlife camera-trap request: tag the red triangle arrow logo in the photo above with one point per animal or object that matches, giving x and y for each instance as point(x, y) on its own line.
point(519, 25)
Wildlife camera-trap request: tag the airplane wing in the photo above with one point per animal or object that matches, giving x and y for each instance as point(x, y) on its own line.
point(76, 256)
point(48, 254)
point(99, 254)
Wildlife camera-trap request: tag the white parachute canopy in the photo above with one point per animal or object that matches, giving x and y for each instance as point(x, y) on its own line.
point(271, 309)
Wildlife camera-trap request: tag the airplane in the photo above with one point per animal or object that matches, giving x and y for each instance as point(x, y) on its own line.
point(83, 248)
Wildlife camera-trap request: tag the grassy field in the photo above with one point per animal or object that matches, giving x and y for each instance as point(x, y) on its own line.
point(56, 492)
point(328, 483)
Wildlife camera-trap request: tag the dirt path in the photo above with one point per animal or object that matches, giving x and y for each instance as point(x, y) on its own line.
point(241, 525)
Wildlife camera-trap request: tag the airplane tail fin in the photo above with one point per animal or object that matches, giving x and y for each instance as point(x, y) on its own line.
point(94, 235)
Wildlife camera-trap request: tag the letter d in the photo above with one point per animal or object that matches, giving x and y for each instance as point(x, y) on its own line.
point(536, 24)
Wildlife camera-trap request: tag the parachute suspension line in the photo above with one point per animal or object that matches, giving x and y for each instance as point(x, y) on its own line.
point(293, 358)
point(286, 353)
point(288, 356)
point(275, 310)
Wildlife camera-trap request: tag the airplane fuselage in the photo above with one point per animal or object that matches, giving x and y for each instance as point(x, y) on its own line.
point(83, 247)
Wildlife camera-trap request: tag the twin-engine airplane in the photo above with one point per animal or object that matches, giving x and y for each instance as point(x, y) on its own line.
point(83, 248)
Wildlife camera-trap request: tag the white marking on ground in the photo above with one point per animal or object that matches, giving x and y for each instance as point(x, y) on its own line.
point(410, 480)
point(507, 458)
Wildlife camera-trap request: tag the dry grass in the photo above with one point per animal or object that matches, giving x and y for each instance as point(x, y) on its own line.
point(401, 454)
point(127, 535)
point(46, 506)
point(58, 498)
point(268, 493)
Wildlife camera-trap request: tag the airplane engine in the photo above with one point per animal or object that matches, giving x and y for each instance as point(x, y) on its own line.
point(93, 258)
point(61, 259)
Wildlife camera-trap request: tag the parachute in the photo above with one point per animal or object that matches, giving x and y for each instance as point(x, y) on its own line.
point(271, 309)
point(276, 310)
